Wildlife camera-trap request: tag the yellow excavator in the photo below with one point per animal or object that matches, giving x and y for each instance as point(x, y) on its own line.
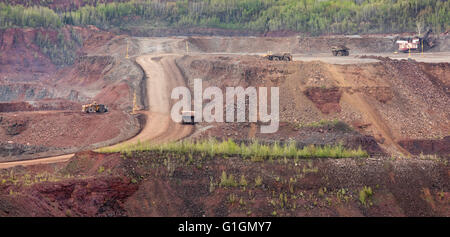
point(94, 108)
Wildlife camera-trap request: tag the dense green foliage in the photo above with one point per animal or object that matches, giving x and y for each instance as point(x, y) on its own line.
point(20, 16)
point(254, 150)
point(314, 16)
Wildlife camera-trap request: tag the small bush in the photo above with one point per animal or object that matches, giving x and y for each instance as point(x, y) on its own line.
point(101, 169)
point(258, 181)
point(365, 196)
point(243, 181)
point(227, 180)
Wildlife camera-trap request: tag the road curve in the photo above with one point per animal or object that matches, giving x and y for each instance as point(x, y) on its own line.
point(162, 75)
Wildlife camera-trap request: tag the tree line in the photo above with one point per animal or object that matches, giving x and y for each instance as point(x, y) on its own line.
point(310, 16)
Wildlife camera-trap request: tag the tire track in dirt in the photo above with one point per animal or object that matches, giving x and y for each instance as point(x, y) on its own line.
point(49, 160)
point(162, 75)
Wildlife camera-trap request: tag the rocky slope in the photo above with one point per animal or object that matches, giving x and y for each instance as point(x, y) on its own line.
point(389, 100)
point(152, 184)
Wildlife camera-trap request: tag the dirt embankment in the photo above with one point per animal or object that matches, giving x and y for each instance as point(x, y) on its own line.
point(357, 44)
point(391, 100)
point(49, 97)
point(301, 45)
point(151, 184)
point(61, 132)
point(428, 147)
point(20, 54)
point(39, 105)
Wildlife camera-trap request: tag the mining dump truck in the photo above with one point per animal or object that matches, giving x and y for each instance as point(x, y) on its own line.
point(187, 117)
point(94, 108)
point(340, 50)
point(279, 57)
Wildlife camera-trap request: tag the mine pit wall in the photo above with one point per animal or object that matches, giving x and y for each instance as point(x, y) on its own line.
point(24, 91)
point(237, 41)
point(301, 45)
point(147, 184)
point(356, 44)
point(110, 76)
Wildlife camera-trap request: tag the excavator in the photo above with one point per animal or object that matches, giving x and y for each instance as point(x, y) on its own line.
point(416, 43)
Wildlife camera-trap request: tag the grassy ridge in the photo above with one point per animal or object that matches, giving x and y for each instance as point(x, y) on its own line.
point(254, 150)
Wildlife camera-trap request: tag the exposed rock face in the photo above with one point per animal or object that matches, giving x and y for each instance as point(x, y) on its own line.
point(432, 146)
point(90, 197)
point(326, 99)
point(163, 184)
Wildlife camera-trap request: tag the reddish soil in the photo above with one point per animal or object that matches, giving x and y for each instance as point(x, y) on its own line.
point(149, 184)
point(326, 99)
point(60, 130)
point(388, 100)
point(48, 104)
point(40, 103)
point(428, 147)
point(18, 106)
point(21, 55)
point(22, 60)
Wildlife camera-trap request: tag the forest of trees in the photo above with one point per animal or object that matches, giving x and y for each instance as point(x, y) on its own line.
point(311, 16)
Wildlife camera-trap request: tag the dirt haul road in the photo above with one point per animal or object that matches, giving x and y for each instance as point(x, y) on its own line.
point(162, 75)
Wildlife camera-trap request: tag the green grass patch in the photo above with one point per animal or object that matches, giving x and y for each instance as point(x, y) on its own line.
point(365, 196)
point(254, 150)
point(323, 123)
point(227, 180)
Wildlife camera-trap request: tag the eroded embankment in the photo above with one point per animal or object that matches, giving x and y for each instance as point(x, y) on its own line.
point(153, 184)
point(40, 108)
point(428, 147)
